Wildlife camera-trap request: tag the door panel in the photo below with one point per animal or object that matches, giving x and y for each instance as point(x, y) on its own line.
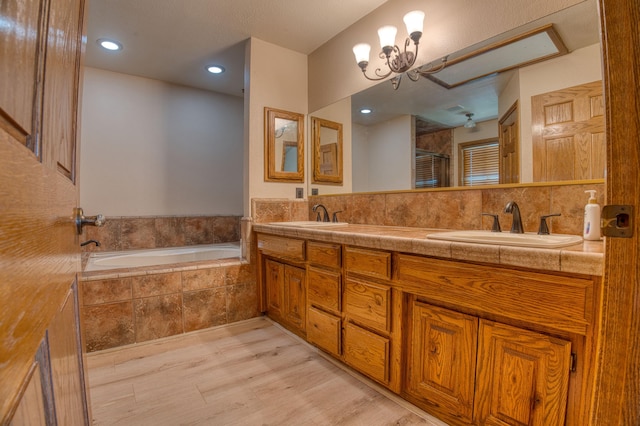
point(522, 377)
point(510, 146)
point(568, 134)
point(39, 250)
point(442, 357)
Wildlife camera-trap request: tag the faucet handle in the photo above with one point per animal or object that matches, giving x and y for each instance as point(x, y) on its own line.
point(496, 222)
point(334, 219)
point(543, 229)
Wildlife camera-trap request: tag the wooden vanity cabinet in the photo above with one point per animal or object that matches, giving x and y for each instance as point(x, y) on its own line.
point(284, 281)
point(324, 278)
point(490, 345)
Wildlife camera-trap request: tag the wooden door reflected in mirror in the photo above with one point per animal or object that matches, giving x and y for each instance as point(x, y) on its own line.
point(283, 146)
point(327, 151)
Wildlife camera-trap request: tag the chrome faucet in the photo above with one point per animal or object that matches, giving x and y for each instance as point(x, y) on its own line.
point(325, 217)
point(516, 225)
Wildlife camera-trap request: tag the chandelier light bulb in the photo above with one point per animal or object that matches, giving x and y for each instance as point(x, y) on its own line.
point(361, 51)
point(398, 59)
point(414, 21)
point(387, 36)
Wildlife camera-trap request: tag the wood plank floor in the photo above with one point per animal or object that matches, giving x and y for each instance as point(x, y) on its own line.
point(249, 373)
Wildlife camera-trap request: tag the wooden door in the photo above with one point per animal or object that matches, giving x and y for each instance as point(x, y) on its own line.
point(41, 45)
point(617, 377)
point(522, 377)
point(568, 134)
point(509, 140)
point(295, 297)
point(442, 359)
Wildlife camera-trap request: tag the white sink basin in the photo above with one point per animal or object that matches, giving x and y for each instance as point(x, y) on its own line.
point(508, 239)
point(308, 224)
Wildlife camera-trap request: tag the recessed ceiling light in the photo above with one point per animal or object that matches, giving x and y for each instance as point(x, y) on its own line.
point(215, 69)
point(109, 44)
point(365, 111)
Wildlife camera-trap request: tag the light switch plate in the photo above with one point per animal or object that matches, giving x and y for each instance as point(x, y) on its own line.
point(299, 192)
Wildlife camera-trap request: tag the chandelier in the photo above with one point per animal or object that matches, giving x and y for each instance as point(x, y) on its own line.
point(398, 61)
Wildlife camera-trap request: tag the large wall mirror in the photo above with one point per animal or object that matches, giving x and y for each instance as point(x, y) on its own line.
point(283, 146)
point(327, 151)
point(386, 142)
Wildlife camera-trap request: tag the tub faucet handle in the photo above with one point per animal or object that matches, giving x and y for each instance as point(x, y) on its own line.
point(82, 220)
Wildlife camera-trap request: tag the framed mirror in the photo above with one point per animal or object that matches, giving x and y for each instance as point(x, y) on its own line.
point(327, 151)
point(283, 146)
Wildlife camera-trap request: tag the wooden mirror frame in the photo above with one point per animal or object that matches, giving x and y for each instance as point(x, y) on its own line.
point(316, 133)
point(271, 172)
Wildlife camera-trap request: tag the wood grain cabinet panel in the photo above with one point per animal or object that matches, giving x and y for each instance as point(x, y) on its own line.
point(295, 297)
point(324, 254)
point(367, 352)
point(324, 289)
point(323, 330)
point(274, 286)
point(554, 301)
point(522, 377)
point(286, 294)
point(282, 247)
point(368, 304)
point(372, 263)
point(442, 358)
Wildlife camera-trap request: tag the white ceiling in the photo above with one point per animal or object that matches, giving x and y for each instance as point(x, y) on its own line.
point(173, 40)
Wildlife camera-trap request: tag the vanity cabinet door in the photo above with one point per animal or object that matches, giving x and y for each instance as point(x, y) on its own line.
point(442, 358)
point(295, 297)
point(274, 286)
point(521, 377)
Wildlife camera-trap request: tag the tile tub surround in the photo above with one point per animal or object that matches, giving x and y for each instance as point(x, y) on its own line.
point(462, 208)
point(143, 232)
point(126, 306)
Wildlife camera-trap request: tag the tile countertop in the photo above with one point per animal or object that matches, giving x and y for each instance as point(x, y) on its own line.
point(585, 258)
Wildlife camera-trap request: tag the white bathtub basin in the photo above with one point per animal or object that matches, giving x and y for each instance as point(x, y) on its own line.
point(308, 223)
point(508, 239)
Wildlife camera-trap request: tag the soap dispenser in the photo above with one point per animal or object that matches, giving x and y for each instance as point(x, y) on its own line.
point(591, 217)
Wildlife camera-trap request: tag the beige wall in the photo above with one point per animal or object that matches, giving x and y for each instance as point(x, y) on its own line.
point(153, 148)
point(450, 25)
point(274, 77)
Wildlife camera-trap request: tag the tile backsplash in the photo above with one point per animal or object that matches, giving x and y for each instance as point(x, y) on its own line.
point(458, 208)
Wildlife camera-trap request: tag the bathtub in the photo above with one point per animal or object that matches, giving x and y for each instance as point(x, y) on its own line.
point(161, 256)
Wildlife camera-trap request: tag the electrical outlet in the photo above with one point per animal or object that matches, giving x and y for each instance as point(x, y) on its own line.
point(314, 191)
point(299, 192)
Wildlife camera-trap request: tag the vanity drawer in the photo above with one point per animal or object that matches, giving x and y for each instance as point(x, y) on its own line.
point(372, 263)
point(323, 330)
point(324, 254)
point(288, 248)
point(556, 301)
point(367, 352)
point(324, 288)
point(368, 304)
